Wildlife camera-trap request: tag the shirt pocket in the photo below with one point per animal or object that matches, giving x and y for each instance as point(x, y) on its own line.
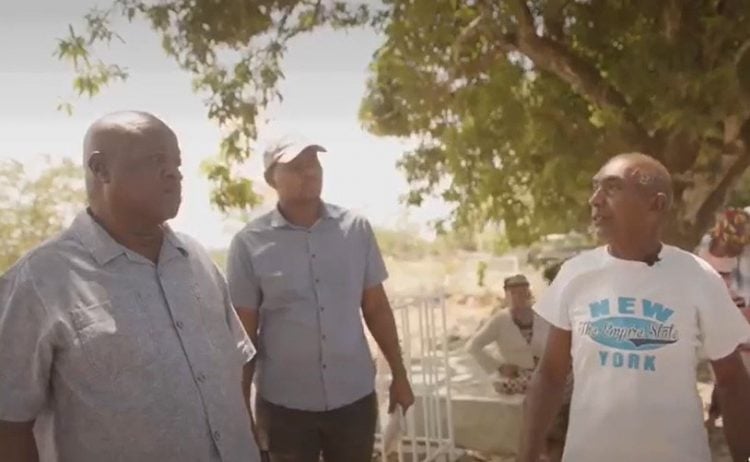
point(115, 336)
point(208, 296)
point(282, 290)
point(289, 303)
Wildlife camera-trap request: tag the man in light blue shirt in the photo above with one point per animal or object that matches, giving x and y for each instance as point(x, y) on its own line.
point(302, 277)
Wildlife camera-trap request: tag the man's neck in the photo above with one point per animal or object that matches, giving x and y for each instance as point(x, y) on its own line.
point(143, 238)
point(304, 214)
point(646, 250)
point(522, 315)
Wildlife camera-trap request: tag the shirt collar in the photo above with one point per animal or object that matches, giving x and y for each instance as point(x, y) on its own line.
point(328, 212)
point(105, 249)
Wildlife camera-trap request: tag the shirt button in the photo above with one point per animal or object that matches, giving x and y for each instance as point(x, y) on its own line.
point(217, 435)
point(322, 308)
point(323, 337)
point(325, 366)
point(317, 281)
point(201, 377)
point(180, 325)
point(313, 255)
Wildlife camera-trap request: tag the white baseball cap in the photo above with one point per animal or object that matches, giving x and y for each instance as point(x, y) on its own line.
point(286, 149)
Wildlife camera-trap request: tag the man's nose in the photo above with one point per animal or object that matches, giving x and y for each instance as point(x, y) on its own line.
point(596, 197)
point(173, 173)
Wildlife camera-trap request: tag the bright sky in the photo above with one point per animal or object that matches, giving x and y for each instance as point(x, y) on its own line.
point(325, 80)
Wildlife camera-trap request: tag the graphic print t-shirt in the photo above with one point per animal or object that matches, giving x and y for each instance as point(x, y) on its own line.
point(636, 332)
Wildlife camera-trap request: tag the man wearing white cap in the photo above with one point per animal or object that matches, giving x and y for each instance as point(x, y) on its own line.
point(301, 278)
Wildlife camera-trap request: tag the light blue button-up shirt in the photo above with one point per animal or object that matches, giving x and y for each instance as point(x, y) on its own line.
point(307, 285)
point(121, 359)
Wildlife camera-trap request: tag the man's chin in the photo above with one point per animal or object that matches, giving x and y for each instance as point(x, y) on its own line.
point(601, 233)
point(171, 211)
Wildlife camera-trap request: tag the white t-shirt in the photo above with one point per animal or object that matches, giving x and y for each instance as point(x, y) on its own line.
point(636, 330)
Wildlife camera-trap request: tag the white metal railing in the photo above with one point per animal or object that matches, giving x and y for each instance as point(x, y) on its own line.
point(423, 332)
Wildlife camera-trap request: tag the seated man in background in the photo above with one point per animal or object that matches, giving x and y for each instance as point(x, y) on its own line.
point(512, 330)
point(520, 336)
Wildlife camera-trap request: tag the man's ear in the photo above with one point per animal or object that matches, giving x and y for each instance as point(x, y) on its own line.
point(268, 175)
point(661, 202)
point(98, 166)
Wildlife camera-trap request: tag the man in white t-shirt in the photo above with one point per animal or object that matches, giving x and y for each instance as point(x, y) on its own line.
point(630, 317)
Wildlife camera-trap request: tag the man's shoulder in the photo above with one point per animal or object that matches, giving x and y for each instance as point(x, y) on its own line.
point(686, 261)
point(347, 218)
point(51, 257)
point(260, 224)
point(586, 261)
point(60, 247)
point(501, 316)
point(258, 232)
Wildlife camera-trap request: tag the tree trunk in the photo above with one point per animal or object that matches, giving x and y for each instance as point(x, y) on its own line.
point(699, 197)
point(683, 232)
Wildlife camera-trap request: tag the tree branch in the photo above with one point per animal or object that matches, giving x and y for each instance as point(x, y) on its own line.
point(672, 19)
point(553, 18)
point(584, 78)
point(525, 18)
point(735, 160)
point(717, 197)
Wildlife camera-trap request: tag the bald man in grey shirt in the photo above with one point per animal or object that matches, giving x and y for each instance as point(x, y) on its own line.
point(118, 341)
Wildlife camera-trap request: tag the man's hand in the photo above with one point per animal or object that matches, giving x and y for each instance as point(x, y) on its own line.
point(254, 430)
point(545, 395)
point(400, 393)
point(541, 458)
point(17, 442)
point(509, 371)
point(733, 392)
point(379, 319)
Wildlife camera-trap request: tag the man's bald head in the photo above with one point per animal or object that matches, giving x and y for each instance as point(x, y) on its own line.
point(647, 173)
point(131, 158)
point(114, 133)
point(632, 195)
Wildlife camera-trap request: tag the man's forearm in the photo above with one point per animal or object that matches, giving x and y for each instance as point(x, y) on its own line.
point(382, 326)
point(485, 360)
point(249, 319)
point(544, 399)
point(17, 442)
point(248, 371)
point(734, 400)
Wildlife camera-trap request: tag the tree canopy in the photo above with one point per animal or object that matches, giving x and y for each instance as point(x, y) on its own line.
point(515, 103)
point(35, 207)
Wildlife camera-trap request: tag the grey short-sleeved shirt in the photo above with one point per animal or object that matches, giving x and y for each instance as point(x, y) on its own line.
point(119, 359)
point(308, 285)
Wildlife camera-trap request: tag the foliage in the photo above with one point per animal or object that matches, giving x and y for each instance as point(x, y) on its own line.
point(515, 103)
point(219, 257)
point(520, 103)
point(232, 48)
point(556, 248)
point(740, 196)
point(35, 207)
point(481, 273)
point(403, 244)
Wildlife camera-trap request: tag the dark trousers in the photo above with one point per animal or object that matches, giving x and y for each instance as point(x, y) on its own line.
point(346, 434)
